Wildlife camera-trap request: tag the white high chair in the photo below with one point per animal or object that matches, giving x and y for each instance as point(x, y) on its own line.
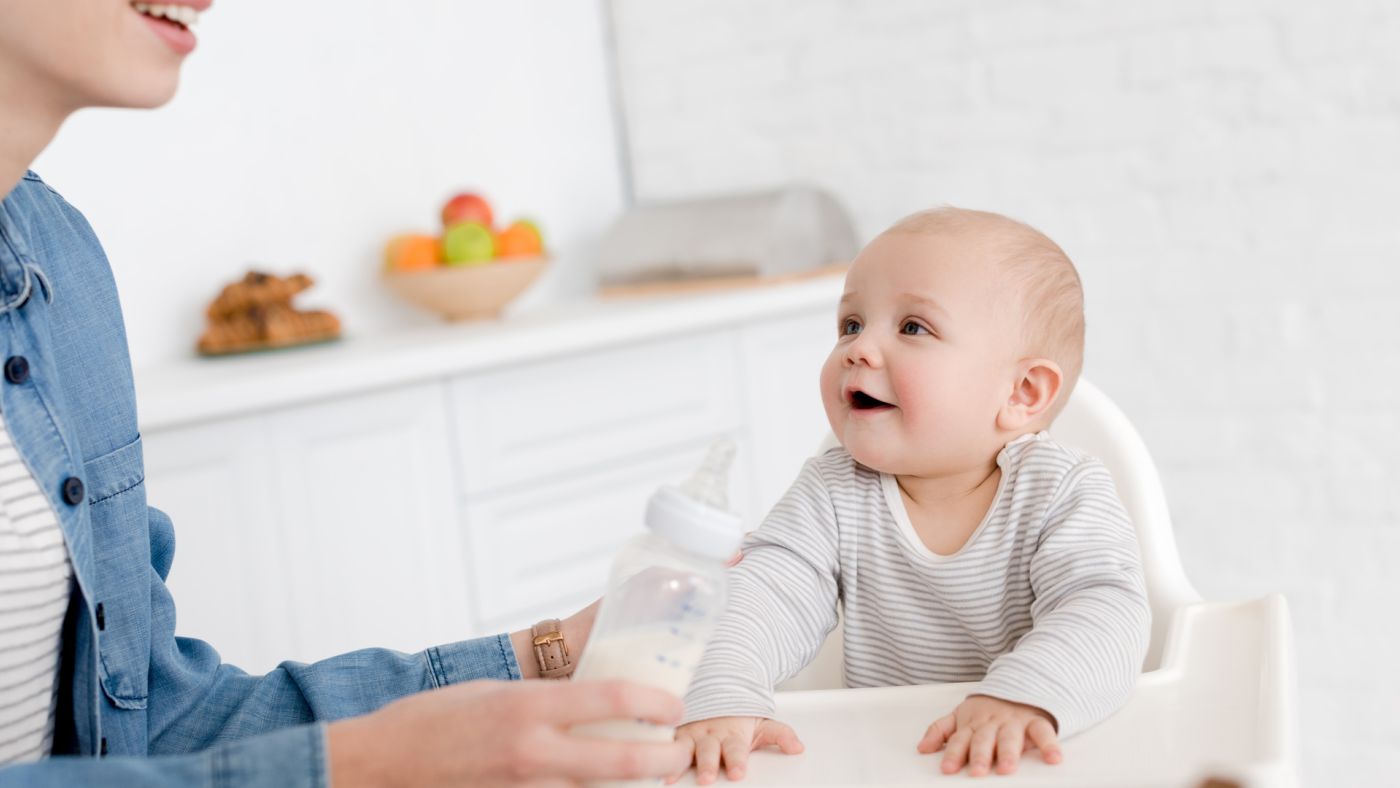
point(1216, 698)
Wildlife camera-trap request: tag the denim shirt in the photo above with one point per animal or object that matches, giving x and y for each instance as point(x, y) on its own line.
point(137, 704)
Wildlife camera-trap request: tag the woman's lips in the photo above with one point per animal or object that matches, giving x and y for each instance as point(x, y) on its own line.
point(179, 38)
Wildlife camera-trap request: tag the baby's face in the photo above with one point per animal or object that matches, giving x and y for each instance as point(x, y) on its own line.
point(927, 344)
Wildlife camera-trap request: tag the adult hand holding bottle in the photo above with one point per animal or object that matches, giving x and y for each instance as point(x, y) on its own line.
point(500, 733)
point(490, 733)
point(506, 733)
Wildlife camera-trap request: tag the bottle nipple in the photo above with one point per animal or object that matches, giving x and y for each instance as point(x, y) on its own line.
point(694, 514)
point(710, 482)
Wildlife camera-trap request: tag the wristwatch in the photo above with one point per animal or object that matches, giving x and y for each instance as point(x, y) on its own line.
point(551, 652)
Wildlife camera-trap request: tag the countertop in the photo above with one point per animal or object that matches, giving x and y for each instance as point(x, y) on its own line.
point(202, 389)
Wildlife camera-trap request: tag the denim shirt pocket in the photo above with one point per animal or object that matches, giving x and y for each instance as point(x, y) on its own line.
point(117, 507)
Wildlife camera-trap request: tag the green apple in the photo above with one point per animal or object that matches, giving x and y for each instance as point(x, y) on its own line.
point(468, 243)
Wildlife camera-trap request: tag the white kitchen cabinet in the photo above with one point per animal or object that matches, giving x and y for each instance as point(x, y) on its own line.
point(546, 550)
point(230, 577)
point(364, 485)
point(529, 423)
point(420, 489)
point(780, 363)
point(314, 530)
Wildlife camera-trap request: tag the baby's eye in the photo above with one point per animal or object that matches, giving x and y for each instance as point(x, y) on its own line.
point(850, 326)
point(911, 328)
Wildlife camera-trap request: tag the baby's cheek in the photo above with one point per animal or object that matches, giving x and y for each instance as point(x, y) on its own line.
point(834, 416)
point(918, 400)
point(938, 397)
point(830, 372)
point(830, 383)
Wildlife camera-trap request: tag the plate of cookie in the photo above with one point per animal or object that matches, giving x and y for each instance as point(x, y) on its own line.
point(256, 314)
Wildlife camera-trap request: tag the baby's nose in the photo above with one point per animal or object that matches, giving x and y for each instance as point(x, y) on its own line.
point(862, 350)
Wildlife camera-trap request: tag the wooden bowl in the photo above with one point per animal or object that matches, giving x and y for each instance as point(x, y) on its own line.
point(467, 292)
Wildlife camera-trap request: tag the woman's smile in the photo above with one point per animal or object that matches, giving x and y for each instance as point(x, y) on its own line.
point(172, 21)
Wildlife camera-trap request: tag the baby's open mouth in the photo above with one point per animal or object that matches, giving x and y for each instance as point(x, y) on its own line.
point(862, 401)
point(180, 16)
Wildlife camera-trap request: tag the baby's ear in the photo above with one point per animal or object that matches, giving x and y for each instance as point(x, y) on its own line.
point(1038, 382)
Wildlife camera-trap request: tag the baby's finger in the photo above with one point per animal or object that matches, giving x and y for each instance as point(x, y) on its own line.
point(736, 756)
point(774, 733)
point(706, 760)
point(984, 742)
point(937, 734)
point(683, 736)
point(956, 752)
point(1010, 742)
point(1043, 734)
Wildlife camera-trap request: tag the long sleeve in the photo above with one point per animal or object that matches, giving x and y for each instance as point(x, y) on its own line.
point(1083, 654)
point(782, 605)
point(289, 758)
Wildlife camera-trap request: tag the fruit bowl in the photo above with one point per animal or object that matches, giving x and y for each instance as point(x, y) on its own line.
point(466, 292)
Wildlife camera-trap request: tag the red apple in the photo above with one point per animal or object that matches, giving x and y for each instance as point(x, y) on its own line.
point(466, 207)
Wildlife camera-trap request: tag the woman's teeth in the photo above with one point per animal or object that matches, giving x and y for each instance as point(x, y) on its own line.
point(181, 14)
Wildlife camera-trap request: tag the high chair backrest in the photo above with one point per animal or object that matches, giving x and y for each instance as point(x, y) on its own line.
point(1092, 423)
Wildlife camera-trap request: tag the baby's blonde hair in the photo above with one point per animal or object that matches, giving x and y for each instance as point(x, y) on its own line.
point(1052, 297)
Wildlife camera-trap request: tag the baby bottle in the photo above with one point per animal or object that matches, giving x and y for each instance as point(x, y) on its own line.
point(665, 593)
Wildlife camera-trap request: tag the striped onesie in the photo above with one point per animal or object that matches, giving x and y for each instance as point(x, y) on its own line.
point(1044, 605)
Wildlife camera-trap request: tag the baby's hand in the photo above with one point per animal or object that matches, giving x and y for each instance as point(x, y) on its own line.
point(990, 727)
point(732, 739)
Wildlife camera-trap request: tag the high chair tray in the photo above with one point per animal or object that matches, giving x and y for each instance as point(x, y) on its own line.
point(1220, 706)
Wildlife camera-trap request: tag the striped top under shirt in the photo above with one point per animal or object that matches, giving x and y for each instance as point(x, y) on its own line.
point(1045, 604)
point(35, 584)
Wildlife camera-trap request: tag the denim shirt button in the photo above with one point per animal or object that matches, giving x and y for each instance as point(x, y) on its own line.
point(17, 369)
point(101, 618)
point(73, 490)
point(104, 746)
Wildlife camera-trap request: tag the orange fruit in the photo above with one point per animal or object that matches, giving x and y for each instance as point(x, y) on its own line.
point(412, 252)
point(521, 239)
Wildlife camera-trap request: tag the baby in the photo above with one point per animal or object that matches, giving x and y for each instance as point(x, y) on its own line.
point(963, 543)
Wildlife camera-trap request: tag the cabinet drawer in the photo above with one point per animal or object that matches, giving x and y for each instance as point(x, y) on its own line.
point(521, 424)
point(547, 551)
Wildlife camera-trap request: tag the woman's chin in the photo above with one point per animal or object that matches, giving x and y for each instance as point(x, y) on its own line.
point(153, 90)
point(135, 79)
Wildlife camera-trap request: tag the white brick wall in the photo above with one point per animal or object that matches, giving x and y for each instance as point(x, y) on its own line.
point(1227, 177)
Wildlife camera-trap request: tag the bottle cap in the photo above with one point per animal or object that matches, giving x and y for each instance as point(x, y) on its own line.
point(694, 515)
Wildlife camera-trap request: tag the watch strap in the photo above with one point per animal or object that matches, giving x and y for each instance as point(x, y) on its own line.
point(551, 652)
